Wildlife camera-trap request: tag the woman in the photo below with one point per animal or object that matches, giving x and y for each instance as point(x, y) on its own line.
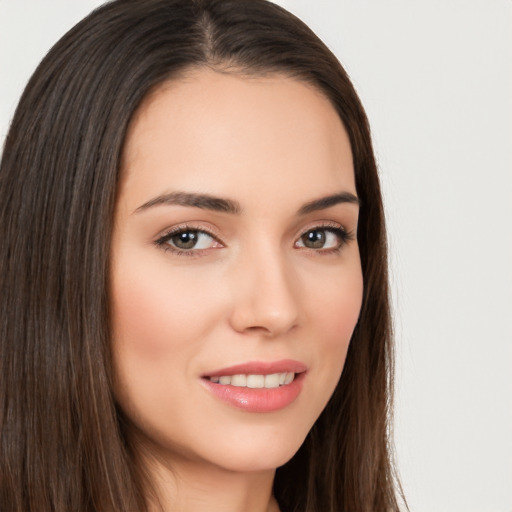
point(192, 235)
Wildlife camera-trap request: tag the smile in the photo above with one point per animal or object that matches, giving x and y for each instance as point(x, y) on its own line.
point(273, 380)
point(257, 386)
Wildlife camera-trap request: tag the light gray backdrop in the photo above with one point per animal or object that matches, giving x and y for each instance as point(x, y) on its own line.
point(436, 79)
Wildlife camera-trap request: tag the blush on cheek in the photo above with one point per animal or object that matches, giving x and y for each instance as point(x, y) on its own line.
point(137, 327)
point(348, 320)
point(339, 320)
point(341, 315)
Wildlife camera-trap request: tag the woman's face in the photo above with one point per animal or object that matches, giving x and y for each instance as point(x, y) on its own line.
point(235, 268)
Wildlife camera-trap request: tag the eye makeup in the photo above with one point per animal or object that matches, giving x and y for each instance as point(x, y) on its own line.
point(325, 238)
point(192, 240)
point(188, 240)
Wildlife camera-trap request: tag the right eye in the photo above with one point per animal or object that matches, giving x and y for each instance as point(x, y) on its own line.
point(187, 240)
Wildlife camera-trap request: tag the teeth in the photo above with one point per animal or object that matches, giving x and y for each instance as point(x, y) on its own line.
point(239, 380)
point(273, 380)
point(255, 381)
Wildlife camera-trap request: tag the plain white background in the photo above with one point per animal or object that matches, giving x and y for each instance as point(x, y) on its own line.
point(436, 79)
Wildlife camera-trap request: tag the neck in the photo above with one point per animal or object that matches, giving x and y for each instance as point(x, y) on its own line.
point(192, 486)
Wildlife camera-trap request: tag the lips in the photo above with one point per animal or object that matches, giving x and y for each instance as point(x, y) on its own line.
point(257, 386)
point(260, 368)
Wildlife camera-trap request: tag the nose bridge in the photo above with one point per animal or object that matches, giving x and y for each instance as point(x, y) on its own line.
point(265, 298)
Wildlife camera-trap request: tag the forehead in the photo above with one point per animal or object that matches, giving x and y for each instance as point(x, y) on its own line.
point(227, 133)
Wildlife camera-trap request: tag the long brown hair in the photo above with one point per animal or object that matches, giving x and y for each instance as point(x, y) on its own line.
point(63, 443)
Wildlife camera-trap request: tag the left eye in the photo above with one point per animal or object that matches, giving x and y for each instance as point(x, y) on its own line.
point(188, 239)
point(321, 238)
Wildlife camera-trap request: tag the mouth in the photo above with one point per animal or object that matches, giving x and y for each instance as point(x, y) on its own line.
point(254, 381)
point(258, 386)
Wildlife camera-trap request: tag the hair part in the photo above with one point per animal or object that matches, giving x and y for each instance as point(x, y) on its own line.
point(63, 443)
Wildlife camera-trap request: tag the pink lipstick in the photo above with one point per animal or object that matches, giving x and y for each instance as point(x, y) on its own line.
point(258, 386)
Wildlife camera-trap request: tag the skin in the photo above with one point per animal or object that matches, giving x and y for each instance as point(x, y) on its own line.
point(253, 291)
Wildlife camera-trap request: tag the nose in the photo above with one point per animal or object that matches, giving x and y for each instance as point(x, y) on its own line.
point(265, 298)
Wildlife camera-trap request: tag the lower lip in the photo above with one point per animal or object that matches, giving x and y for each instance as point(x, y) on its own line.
point(258, 400)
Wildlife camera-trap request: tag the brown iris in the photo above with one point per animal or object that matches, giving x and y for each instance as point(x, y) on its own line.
point(314, 239)
point(185, 239)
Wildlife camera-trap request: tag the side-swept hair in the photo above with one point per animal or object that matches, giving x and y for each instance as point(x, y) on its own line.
point(63, 443)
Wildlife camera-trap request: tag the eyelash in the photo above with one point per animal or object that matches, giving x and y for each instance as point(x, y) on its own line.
point(339, 231)
point(163, 242)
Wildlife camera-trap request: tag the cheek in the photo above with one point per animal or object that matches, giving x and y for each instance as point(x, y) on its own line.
point(155, 340)
point(155, 336)
point(140, 338)
point(338, 303)
point(336, 311)
point(153, 316)
point(137, 319)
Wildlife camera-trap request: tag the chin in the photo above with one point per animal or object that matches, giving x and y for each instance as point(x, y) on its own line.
point(260, 462)
point(258, 452)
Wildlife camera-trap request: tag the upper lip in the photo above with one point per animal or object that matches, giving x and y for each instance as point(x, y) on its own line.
point(260, 368)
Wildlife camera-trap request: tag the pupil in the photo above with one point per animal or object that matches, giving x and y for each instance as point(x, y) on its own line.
point(185, 240)
point(315, 239)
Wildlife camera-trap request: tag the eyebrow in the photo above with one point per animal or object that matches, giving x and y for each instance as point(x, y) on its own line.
point(203, 201)
point(218, 204)
point(328, 202)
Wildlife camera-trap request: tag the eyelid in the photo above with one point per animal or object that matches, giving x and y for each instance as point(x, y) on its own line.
point(345, 234)
point(322, 224)
point(163, 238)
